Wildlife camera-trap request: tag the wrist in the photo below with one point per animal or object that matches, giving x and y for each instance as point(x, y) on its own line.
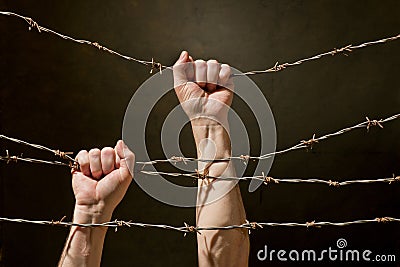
point(84, 244)
point(91, 214)
point(212, 139)
point(211, 121)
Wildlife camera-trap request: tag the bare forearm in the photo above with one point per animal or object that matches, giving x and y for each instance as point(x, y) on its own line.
point(85, 244)
point(219, 202)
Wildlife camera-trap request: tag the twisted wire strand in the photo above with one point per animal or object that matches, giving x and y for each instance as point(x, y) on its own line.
point(344, 50)
point(265, 179)
point(245, 158)
point(156, 66)
point(368, 123)
point(195, 229)
point(15, 159)
point(33, 24)
point(270, 180)
point(57, 152)
point(186, 228)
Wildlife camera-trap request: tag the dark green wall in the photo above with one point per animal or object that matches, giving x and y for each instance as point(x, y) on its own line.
point(73, 97)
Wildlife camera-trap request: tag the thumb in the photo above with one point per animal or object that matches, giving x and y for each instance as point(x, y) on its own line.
point(126, 158)
point(179, 69)
point(183, 58)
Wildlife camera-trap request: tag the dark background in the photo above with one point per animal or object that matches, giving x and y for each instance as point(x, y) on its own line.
point(69, 96)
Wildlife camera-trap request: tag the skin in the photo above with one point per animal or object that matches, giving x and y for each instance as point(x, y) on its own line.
point(99, 186)
point(219, 202)
point(105, 175)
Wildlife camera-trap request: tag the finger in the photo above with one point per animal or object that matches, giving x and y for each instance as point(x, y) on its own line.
point(224, 75)
point(229, 84)
point(83, 159)
point(107, 160)
point(190, 69)
point(117, 160)
point(212, 74)
point(200, 72)
point(179, 69)
point(183, 58)
point(127, 158)
point(95, 163)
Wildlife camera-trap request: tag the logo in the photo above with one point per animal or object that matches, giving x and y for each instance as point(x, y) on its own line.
point(330, 254)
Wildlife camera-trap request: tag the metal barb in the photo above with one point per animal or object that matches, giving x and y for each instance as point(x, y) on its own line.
point(193, 229)
point(158, 66)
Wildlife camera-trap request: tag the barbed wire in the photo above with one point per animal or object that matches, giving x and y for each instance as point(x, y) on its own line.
point(196, 175)
point(63, 155)
point(8, 158)
point(156, 66)
point(271, 180)
point(34, 25)
point(344, 50)
point(307, 144)
point(196, 229)
point(245, 158)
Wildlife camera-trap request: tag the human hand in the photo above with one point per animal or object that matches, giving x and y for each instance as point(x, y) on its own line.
point(103, 179)
point(204, 89)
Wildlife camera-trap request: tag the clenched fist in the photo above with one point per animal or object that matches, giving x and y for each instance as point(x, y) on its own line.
point(204, 89)
point(103, 178)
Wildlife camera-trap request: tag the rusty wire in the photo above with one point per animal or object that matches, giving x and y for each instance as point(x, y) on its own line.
point(156, 66)
point(196, 229)
point(8, 158)
point(267, 180)
point(270, 180)
point(343, 50)
point(302, 144)
point(34, 25)
point(63, 155)
point(195, 175)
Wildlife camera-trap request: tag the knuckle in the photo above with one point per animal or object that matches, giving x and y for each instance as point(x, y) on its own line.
point(94, 152)
point(225, 66)
point(200, 63)
point(107, 151)
point(225, 70)
point(81, 154)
